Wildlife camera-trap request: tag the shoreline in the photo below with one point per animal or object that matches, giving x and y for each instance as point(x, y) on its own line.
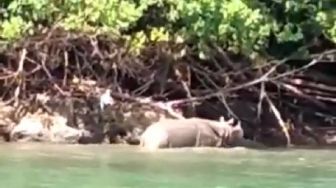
point(121, 147)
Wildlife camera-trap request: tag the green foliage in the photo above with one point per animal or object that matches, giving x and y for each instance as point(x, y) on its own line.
point(243, 26)
point(139, 40)
point(75, 14)
point(14, 27)
point(326, 16)
point(231, 24)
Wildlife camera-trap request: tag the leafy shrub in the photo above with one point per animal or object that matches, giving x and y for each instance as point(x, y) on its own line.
point(245, 26)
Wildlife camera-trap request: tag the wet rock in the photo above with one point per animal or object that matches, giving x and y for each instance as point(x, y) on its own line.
point(92, 136)
point(133, 137)
point(29, 129)
point(6, 121)
point(81, 114)
point(45, 128)
point(4, 133)
point(62, 133)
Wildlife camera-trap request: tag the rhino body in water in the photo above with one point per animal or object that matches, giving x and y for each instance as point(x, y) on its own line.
point(191, 132)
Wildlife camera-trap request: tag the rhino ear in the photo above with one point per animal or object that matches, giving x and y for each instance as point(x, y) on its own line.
point(230, 121)
point(238, 130)
point(221, 119)
point(238, 126)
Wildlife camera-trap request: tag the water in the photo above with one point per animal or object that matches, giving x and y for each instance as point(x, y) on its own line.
point(106, 166)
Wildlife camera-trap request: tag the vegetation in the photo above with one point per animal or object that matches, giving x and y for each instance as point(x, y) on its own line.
point(250, 27)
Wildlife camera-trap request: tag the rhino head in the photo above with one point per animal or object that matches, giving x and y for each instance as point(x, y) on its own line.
point(229, 130)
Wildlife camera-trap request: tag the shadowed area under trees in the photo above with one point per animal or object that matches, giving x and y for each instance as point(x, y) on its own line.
point(273, 72)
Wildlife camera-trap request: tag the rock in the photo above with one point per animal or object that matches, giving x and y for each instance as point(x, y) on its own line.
point(5, 133)
point(45, 128)
point(28, 129)
point(60, 132)
point(91, 136)
point(6, 121)
point(133, 137)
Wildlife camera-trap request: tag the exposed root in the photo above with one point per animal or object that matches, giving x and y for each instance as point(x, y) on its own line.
point(79, 67)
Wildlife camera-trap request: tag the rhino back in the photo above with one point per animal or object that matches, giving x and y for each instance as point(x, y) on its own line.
point(180, 133)
point(190, 133)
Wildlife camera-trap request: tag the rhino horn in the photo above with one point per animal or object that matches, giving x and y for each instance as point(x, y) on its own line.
point(230, 121)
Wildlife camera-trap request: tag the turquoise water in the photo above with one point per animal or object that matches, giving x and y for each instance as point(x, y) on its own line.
point(107, 166)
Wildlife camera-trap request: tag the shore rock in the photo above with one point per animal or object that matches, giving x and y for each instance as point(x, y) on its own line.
point(45, 128)
point(6, 121)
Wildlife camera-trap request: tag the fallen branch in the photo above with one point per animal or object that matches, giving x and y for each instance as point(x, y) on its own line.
point(280, 121)
point(301, 94)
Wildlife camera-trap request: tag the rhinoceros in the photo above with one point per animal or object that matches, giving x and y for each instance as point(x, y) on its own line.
point(191, 132)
